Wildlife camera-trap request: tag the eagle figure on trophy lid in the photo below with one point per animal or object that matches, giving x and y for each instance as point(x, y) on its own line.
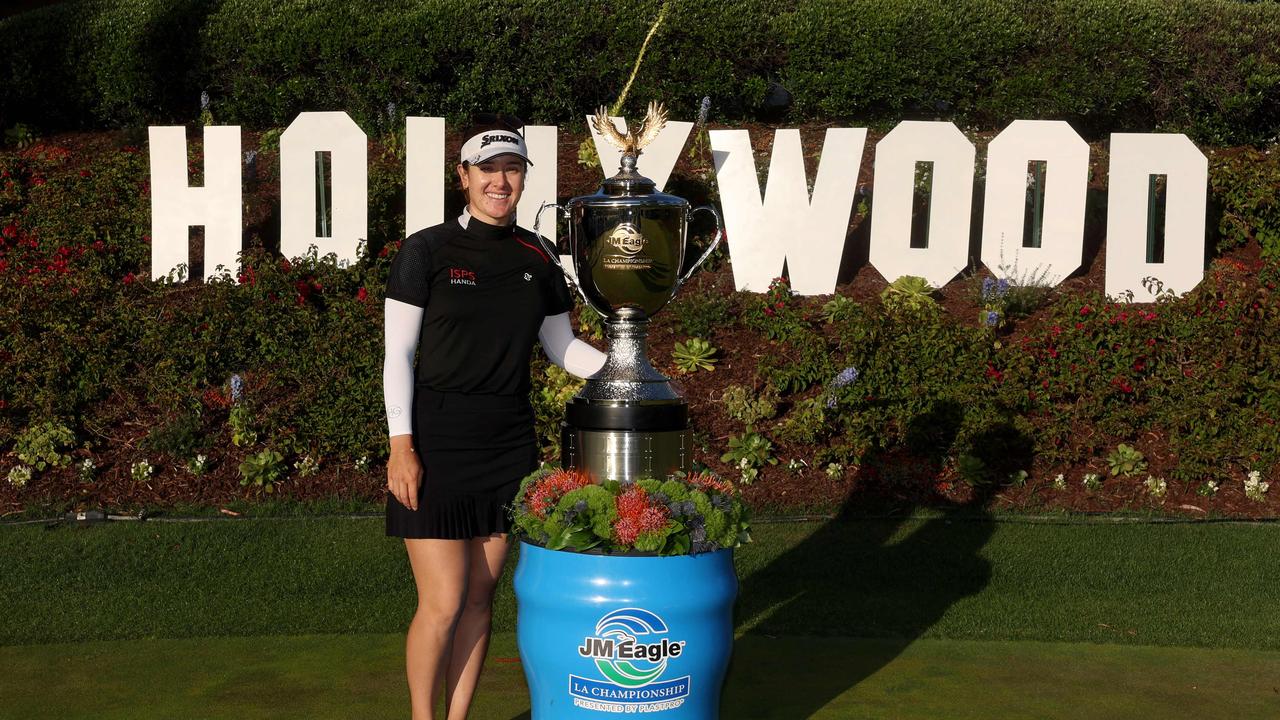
point(633, 142)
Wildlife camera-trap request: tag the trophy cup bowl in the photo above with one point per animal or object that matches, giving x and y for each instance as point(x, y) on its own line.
point(627, 243)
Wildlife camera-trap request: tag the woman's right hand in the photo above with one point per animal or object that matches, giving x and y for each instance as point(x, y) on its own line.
point(404, 471)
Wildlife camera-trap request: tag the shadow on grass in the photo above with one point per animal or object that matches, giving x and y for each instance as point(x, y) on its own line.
point(873, 578)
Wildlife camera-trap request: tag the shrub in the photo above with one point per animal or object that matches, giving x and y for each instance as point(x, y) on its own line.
point(42, 445)
point(702, 314)
point(263, 470)
point(1245, 185)
point(749, 407)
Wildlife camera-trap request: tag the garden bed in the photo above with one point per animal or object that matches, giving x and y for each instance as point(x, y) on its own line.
point(136, 370)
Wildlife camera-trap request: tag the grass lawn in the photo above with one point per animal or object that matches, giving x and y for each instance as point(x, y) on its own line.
point(299, 617)
point(360, 676)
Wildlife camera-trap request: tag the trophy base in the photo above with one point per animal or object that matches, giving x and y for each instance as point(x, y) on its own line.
point(626, 455)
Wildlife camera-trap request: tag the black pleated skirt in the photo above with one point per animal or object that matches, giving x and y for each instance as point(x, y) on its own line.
point(475, 450)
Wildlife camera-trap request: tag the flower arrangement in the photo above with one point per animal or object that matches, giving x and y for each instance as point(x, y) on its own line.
point(681, 515)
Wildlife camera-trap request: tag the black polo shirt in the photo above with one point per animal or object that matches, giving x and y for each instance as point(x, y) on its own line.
point(486, 290)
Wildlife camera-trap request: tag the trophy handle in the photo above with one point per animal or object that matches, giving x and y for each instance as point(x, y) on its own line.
point(710, 248)
point(551, 250)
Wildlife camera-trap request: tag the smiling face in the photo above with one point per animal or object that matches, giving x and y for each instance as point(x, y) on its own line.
point(493, 188)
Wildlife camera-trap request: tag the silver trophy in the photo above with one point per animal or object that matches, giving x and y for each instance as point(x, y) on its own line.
point(627, 242)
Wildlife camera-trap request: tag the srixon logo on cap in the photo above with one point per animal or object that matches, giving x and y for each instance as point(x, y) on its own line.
point(488, 139)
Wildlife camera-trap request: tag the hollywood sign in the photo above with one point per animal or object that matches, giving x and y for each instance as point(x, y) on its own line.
point(789, 223)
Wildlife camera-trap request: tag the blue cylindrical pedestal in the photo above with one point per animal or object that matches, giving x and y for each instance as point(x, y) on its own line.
point(603, 635)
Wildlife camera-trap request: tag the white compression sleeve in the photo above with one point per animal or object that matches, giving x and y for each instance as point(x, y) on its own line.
point(402, 325)
point(567, 351)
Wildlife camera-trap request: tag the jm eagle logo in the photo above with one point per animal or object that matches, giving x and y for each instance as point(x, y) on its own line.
point(630, 648)
point(627, 238)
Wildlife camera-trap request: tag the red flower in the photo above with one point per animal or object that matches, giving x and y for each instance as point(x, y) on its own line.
point(707, 482)
point(285, 265)
point(214, 399)
point(637, 515)
point(10, 231)
point(362, 294)
point(543, 494)
point(3, 404)
point(130, 278)
point(84, 173)
point(994, 374)
point(1086, 310)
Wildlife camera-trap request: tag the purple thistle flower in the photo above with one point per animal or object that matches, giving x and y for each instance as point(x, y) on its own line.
point(993, 318)
point(846, 376)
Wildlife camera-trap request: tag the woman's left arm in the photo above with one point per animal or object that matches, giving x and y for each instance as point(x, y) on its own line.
point(567, 351)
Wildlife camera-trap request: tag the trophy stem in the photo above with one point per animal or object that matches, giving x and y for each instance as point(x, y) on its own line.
point(627, 374)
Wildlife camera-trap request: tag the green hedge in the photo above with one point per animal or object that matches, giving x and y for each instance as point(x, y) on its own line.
point(1206, 67)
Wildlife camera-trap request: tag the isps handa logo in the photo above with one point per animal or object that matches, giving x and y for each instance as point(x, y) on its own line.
point(631, 648)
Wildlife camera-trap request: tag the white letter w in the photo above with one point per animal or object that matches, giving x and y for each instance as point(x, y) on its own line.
point(787, 226)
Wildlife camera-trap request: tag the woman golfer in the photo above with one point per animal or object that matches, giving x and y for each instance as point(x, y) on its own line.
point(470, 296)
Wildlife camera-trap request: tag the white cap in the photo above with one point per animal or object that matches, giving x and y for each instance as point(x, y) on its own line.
point(492, 143)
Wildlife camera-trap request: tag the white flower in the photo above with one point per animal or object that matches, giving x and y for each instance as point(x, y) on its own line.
point(1092, 481)
point(198, 464)
point(86, 470)
point(363, 463)
point(834, 470)
point(307, 466)
point(1156, 486)
point(19, 476)
point(141, 471)
point(1212, 487)
point(1060, 482)
point(1254, 488)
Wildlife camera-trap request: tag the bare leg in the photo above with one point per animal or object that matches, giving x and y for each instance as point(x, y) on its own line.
point(440, 572)
point(471, 638)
